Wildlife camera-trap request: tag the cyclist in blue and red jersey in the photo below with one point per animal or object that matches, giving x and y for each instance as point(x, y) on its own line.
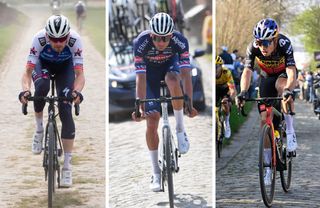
point(56, 50)
point(274, 55)
point(162, 53)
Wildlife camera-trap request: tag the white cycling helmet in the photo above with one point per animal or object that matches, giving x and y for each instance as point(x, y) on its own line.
point(266, 29)
point(57, 26)
point(161, 24)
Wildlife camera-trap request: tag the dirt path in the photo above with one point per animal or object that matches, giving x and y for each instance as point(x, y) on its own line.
point(22, 176)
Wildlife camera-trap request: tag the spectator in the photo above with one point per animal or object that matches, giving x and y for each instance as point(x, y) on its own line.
point(301, 80)
point(234, 54)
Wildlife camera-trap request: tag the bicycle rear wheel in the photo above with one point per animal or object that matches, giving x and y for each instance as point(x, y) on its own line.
point(285, 175)
point(51, 169)
point(168, 155)
point(267, 191)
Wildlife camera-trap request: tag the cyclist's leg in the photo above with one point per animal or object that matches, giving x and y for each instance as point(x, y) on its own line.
point(64, 84)
point(41, 82)
point(291, 137)
point(152, 111)
point(172, 79)
point(267, 89)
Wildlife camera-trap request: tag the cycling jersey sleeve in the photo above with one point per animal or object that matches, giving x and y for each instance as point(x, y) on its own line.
point(250, 57)
point(286, 47)
point(182, 46)
point(75, 45)
point(139, 46)
point(38, 43)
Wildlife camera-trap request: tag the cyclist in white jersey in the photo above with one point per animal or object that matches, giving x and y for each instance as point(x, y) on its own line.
point(55, 50)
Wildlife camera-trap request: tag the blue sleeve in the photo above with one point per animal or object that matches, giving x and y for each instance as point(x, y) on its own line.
point(139, 63)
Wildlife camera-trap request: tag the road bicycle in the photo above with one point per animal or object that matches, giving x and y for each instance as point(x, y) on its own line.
point(219, 129)
point(281, 160)
point(52, 142)
point(168, 151)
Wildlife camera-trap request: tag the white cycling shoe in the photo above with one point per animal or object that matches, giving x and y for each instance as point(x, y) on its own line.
point(227, 130)
point(183, 143)
point(291, 142)
point(37, 143)
point(66, 178)
point(155, 183)
point(267, 177)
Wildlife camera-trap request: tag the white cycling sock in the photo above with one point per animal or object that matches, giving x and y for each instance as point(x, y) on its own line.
point(178, 114)
point(154, 161)
point(67, 160)
point(267, 155)
point(39, 125)
point(227, 119)
point(289, 123)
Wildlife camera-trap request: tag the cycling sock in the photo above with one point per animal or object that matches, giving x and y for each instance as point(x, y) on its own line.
point(267, 155)
point(178, 114)
point(39, 126)
point(154, 161)
point(289, 123)
point(67, 160)
point(227, 119)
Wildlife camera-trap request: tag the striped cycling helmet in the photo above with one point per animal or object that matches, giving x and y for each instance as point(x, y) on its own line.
point(161, 24)
point(266, 29)
point(219, 60)
point(57, 26)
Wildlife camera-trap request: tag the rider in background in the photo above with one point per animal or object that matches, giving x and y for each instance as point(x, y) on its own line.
point(162, 53)
point(55, 50)
point(225, 92)
point(274, 55)
point(81, 13)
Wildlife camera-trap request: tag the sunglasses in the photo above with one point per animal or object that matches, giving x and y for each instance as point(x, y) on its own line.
point(55, 40)
point(265, 43)
point(161, 38)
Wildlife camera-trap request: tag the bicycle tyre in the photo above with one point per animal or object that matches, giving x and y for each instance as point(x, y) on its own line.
point(285, 175)
point(267, 198)
point(219, 137)
point(51, 170)
point(168, 147)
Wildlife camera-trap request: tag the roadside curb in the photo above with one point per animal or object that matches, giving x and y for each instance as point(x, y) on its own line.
point(244, 135)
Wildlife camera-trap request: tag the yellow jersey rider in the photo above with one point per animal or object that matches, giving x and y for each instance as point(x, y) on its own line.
point(225, 91)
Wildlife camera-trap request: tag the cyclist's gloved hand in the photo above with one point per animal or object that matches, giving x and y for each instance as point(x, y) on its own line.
point(241, 97)
point(287, 93)
point(23, 96)
point(77, 96)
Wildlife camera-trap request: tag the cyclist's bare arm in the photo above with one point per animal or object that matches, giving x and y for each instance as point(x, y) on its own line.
point(187, 88)
point(78, 83)
point(245, 79)
point(26, 82)
point(291, 81)
point(141, 86)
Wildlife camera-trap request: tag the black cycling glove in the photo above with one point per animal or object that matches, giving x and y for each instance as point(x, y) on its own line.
point(23, 94)
point(287, 93)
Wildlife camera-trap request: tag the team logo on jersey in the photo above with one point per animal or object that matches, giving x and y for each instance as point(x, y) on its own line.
point(283, 42)
point(72, 41)
point(42, 41)
point(78, 52)
point(33, 51)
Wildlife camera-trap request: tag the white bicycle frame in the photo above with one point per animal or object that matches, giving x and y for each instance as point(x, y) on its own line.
point(174, 149)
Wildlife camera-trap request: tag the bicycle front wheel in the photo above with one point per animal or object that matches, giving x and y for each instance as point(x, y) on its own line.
point(51, 170)
point(267, 191)
point(285, 175)
point(168, 158)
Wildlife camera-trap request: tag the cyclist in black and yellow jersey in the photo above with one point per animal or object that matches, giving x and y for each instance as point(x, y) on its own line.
point(225, 91)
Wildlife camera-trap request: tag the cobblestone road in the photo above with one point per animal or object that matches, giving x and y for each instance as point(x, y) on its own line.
point(130, 166)
point(237, 183)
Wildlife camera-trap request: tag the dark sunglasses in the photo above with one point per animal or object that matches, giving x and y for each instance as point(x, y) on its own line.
point(265, 43)
point(161, 38)
point(55, 40)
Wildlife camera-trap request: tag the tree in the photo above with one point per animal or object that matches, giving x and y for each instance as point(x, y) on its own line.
point(307, 25)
